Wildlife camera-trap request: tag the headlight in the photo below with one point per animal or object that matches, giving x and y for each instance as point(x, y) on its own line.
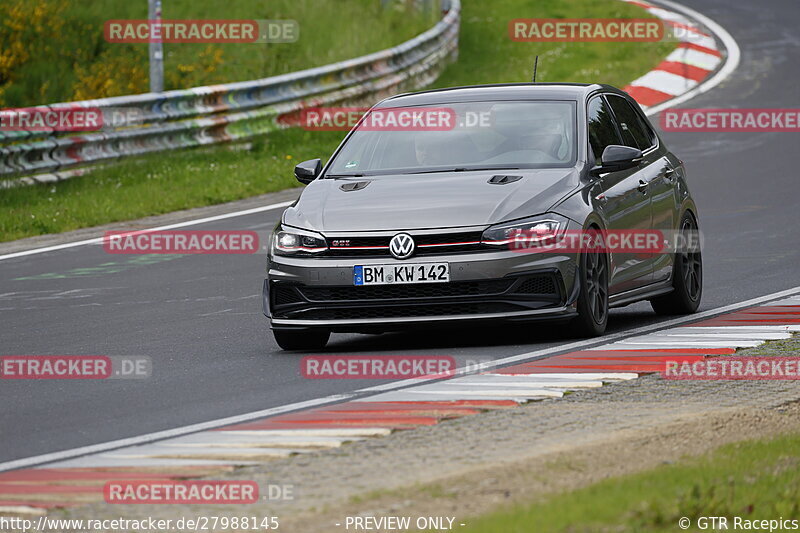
point(530, 232)
point(293, 241)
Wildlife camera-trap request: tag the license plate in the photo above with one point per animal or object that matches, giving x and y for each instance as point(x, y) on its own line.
point(405, 273)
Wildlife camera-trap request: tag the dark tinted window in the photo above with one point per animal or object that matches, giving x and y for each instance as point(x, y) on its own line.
point(633, 133)
point(646, 127)
point(601, 127)
point(486, 134)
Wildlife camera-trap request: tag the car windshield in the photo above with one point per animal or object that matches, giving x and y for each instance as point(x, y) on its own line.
point(460, 137)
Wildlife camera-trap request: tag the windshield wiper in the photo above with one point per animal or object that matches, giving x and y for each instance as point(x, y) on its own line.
point(465, 169)
point(345, 176)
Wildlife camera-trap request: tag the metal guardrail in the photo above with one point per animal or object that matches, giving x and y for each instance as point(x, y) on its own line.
point(229, 112)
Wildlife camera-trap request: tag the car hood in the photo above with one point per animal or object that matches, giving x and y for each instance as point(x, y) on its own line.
point(419, 201)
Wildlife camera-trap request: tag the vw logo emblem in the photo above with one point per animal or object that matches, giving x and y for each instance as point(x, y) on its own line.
point(401, 246)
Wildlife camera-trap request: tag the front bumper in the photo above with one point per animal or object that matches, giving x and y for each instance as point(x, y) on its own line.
point(318, 292)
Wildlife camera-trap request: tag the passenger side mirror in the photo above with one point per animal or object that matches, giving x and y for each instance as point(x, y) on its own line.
point(616, 157)
point(307, 171)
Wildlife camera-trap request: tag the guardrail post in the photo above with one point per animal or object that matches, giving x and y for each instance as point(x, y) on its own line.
point(156, 49)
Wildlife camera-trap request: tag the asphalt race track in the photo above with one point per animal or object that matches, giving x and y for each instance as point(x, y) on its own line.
point(199, 317)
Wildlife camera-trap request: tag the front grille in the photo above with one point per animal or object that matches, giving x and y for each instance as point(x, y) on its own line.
point(426, 244)
point(537, 285)
point(398, 292)
point(286, 295)
point(517, 293)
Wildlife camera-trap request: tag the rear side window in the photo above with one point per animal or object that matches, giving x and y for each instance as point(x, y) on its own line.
point(602, 131)
point(630, 125)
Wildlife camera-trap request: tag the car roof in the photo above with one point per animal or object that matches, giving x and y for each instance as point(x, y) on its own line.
point(504, 91)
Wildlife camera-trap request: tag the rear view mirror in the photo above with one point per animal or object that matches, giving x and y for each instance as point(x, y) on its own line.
point(307, 171)
point(616, 157)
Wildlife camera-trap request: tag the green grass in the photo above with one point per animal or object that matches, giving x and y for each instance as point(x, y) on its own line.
point(35, 68)
point(751, 480)
point(162, 183)
point(151, 186)
point(488, 55)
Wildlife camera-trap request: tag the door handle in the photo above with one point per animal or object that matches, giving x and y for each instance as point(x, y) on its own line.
point(642, 186)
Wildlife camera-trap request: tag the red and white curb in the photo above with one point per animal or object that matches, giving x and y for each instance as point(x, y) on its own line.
point(213, 452)
point(705, 56)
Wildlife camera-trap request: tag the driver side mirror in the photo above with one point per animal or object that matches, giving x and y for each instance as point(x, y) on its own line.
point(307, 171)
point(616, 157)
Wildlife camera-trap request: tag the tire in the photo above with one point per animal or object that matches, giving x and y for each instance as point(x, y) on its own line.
point(311, 339)
point(687, 277)
point(592, 316)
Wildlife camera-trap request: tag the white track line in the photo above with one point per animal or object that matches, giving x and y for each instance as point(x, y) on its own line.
point(99, 240)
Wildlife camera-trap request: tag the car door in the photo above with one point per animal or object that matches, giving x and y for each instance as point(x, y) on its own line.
point(621, 199)
point(656, 170)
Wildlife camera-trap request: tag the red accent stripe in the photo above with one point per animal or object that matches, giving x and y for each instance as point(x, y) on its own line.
point(684, 69)
point(704, 49)
point(359, 248)
point(386, 247)
point(448, 244)
point(647, 96)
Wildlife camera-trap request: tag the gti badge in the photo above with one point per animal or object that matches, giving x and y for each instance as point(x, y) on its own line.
point(401, 246)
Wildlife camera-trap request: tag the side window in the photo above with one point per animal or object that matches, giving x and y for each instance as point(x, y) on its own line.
point(633, 133)
point(647, 128)
point(601, 126)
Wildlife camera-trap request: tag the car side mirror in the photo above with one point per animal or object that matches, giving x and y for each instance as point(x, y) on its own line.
point(307, 171)
point(616, 157)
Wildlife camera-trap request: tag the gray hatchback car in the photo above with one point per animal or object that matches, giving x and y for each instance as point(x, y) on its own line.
point(417, 221)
